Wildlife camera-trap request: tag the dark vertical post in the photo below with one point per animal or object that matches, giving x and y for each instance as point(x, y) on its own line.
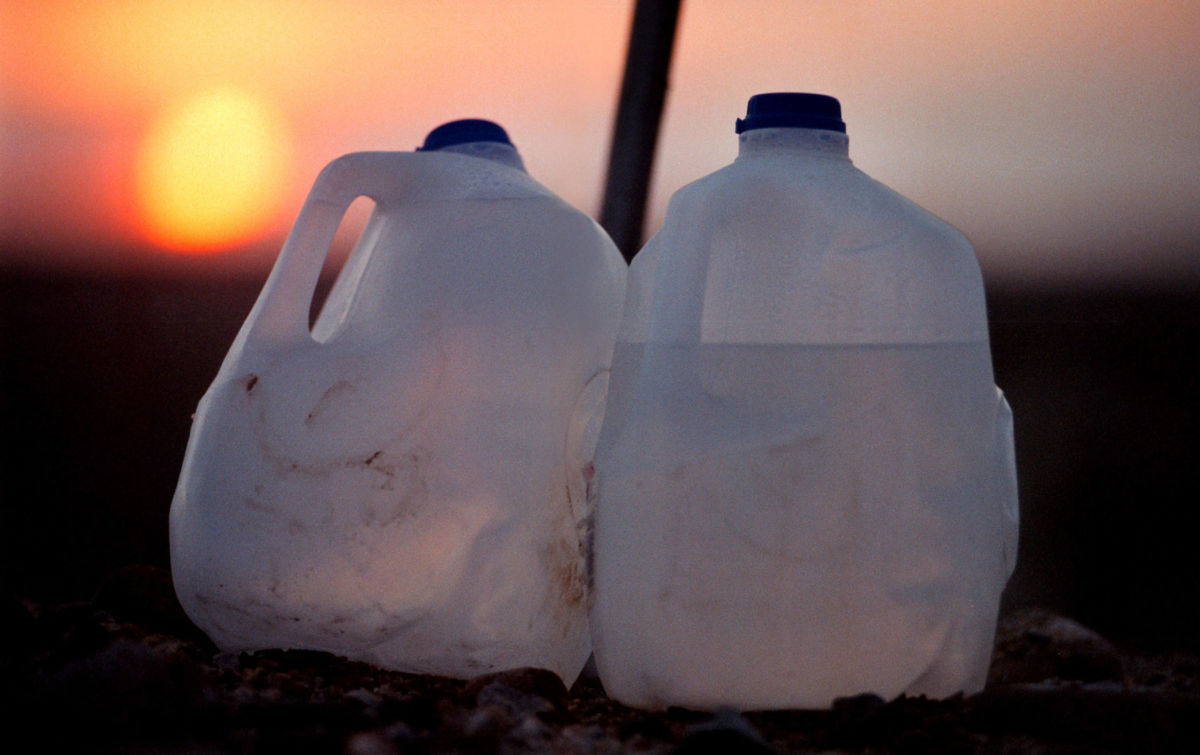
point(639, 110)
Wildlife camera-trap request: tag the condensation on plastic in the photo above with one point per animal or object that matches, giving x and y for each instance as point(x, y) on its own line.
point(806, 483)
point(404, 484)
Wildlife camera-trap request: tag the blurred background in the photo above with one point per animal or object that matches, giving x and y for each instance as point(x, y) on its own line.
point(153, 154)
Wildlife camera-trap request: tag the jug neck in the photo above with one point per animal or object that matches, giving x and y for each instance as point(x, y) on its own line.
point(498, 152)
point(813, 142)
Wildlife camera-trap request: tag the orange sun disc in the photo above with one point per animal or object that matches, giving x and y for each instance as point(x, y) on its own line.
point(211, 170)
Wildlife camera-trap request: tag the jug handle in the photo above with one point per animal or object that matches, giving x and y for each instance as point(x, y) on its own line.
point(280, 316)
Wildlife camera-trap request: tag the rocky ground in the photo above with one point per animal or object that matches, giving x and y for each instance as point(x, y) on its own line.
point(126, 672)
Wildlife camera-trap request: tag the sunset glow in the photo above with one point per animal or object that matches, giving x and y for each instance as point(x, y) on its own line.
point(1057, 135)
point(210, 171)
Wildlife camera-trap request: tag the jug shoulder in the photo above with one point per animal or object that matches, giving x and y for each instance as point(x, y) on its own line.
point(836, 193)
point(783, 260)
point(392, 178)
point(745, 182)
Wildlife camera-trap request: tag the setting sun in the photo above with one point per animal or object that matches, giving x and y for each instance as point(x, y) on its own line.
point(211, 170)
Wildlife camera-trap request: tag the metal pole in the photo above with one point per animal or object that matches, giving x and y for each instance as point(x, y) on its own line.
point(639, 110)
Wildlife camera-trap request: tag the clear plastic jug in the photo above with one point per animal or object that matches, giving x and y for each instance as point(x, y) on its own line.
point(403, 485)
point(806, 486)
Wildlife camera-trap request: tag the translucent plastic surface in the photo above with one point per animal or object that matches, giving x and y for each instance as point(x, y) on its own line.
point(404, 485)
point(806, 486)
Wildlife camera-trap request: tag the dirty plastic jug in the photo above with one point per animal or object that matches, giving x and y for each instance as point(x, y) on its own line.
point(404, 484)
point(806, 486)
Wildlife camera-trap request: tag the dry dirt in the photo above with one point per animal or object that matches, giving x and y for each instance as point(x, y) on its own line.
point(126, 672)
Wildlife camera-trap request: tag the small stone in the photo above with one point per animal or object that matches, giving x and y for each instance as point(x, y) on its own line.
point(1035, 645)
point(533, 681)
point(370, 743)
point(728, 731)
point(857, 707)
point(367, 698)
point(488, 722)
point(530, 731)
point(515, 703)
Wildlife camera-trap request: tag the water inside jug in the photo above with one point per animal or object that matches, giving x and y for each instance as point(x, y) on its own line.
point(806, 486)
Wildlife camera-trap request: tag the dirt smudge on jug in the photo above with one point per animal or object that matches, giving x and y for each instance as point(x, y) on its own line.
point(337, 389)
point(564, 563)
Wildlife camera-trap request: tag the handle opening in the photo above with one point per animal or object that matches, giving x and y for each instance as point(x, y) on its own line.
point(342, 269)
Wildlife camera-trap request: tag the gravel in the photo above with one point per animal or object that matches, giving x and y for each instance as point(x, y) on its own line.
point(127, 672)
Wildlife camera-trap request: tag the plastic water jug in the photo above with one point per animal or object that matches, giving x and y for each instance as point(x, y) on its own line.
point(405, 483)
point(806, 485)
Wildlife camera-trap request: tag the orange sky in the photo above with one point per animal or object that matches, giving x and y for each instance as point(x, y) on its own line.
point(1061, 136)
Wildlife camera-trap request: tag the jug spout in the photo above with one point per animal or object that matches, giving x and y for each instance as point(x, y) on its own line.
point(475, 137)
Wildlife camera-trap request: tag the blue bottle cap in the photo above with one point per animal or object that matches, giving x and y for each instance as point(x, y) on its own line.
point(792, 110)
point(462, 132)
